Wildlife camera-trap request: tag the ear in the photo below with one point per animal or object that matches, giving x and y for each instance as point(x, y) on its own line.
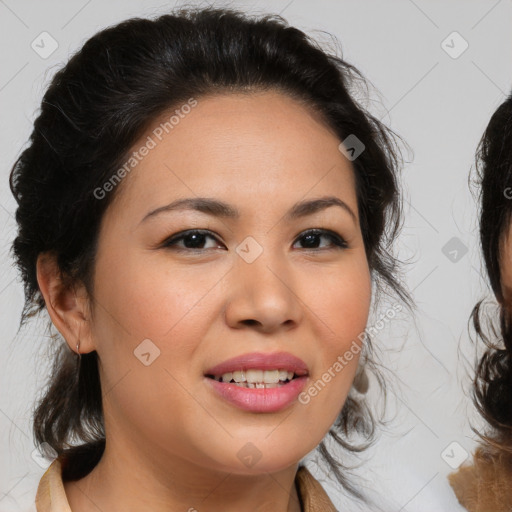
point(67, 305)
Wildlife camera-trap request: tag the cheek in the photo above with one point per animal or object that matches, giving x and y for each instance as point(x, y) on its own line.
point(153, 301)
point(339, 310)
point(340, 301)
point(148, 297)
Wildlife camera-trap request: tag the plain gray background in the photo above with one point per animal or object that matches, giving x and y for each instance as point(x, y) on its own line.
point(436, 96)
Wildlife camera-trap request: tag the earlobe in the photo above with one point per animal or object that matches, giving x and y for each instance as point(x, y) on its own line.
point(66, 303)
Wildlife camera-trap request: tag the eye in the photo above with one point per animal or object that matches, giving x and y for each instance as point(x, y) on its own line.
point(193, 239)
point(196, 239)
point(312, 237)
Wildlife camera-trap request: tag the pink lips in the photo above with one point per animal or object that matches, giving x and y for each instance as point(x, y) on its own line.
point(260, 400)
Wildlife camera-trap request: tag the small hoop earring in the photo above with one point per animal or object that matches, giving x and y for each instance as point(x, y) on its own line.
point(78, 361)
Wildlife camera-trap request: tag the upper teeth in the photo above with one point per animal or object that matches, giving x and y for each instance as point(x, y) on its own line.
point(252, 376)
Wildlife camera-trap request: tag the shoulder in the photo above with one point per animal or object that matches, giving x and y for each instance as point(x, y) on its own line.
point(312, 495)
point(486, 484)
point(50, 495)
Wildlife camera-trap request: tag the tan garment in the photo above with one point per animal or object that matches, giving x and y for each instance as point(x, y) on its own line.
point(486, 485)
point(51, 496)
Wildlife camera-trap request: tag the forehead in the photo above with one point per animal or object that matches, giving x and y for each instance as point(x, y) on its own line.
point(251, 144)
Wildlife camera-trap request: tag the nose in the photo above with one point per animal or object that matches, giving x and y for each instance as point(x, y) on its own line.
point(263, 296)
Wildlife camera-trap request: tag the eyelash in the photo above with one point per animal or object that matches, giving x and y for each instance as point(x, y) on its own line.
point(170, 243)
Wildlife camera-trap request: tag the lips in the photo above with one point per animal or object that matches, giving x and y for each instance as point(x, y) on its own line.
point(259, 397)
point(271, 400)
point(260, 361)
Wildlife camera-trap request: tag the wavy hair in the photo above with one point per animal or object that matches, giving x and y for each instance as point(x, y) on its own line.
point(492, 389)
point(96, 107)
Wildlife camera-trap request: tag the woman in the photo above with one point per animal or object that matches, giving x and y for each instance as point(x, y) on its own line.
point(204, 212)
point(486, 484)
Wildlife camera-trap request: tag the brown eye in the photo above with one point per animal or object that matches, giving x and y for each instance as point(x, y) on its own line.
point(190, 240)
point(311, 239)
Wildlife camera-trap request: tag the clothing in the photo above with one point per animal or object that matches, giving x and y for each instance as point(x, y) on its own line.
point(485, 485)
point(51, 496)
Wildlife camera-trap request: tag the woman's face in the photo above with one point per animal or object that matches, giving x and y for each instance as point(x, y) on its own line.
point(165, 313)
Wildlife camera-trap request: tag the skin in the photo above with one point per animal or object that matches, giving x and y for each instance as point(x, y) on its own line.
point(506, 267)
point(171, 442)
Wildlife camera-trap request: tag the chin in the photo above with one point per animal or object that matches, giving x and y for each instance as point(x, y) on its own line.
point(255, 458)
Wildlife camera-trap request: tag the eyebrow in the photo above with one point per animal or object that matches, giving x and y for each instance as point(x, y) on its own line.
point(218, 208)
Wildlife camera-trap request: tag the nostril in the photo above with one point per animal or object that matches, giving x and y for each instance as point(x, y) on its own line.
point(251, 322)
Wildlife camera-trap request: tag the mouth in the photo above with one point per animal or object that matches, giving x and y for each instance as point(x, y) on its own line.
point(256, 382)
point(261, 368)
point(259, 397)
point(256, 378)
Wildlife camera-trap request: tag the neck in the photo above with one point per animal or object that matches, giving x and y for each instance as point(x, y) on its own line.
point(127, 481)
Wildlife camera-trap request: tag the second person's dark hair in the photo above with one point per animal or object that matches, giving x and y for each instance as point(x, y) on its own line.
point(493, 379)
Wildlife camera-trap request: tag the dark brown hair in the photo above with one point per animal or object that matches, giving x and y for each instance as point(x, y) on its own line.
point(93, 111)
point(492, 389)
